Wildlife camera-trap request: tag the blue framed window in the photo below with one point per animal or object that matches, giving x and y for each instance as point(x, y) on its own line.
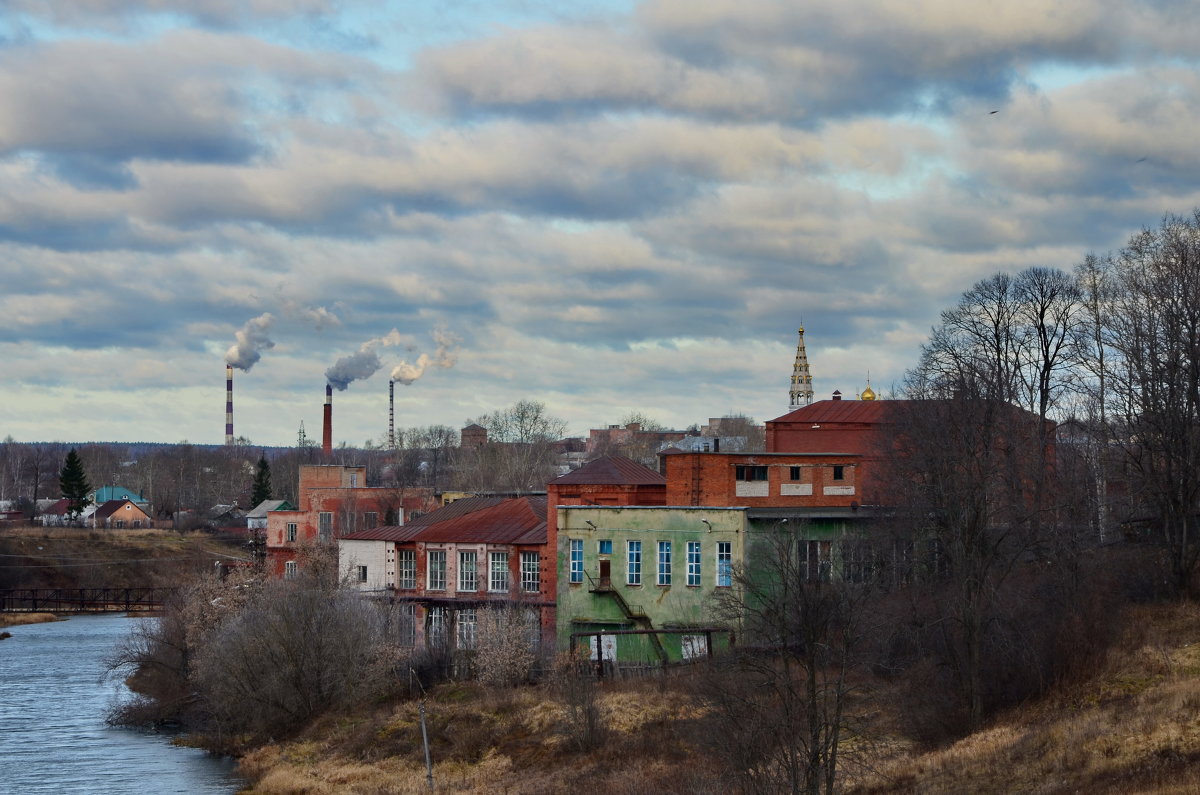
point(693, 563)
point(634, 569)
point(724, 564)
point(606, 546)
point(576, 560)
point(664, 562)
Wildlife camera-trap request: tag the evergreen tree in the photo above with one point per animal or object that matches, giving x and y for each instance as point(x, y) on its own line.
point(74, 484)
point(262, 483)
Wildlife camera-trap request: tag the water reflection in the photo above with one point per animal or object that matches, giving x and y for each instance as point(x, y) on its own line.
point(52, 732)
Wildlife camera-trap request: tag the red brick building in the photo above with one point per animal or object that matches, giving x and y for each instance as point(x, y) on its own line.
point(610, 480)
point(335, 501)
point(822, 455)
point(475, 553)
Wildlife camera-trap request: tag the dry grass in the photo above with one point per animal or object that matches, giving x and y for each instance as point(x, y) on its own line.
point(1133, 728)
point(53, 556)
point(511, 741)
point(21, 619)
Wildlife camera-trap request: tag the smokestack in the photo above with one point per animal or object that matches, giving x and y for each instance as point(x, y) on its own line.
point(327, 433)
point(392, 414)
point(228, 404)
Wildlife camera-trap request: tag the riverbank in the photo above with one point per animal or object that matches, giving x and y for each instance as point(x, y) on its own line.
point(23, 619)
point(1130, 727)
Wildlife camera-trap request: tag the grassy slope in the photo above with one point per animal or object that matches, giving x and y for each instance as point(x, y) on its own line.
point(1134, 727)
point(80, 558)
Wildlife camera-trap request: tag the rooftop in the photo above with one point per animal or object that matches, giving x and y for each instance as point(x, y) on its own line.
point(614, 470)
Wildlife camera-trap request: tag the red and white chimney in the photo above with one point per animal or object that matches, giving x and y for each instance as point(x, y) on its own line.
point(392, 414)
point(228, 404)
point(327, 431)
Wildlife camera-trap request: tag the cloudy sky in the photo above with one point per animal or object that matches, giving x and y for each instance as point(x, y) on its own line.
point(623, 206)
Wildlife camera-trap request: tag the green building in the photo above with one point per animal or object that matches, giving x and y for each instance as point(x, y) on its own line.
point(629, 569)
point(625, 570)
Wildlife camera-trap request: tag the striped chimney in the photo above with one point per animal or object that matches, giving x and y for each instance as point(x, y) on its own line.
point(327, 432)
point(228, 404)
point(392, 414)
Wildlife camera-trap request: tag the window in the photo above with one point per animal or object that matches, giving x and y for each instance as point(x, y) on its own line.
point(466, 628)
point(793, 473)
point(693, 647)
point(815, 560)
point(291, 531)
point(498, 581)
point(468, 572)
point(724, 564)
point(407, 560)
point(137, 523)
point(362, 573)
point(290, 570)
point(119, 524)
point(606, 546)
point(435, 626)
point(664, 562)
point(531, 572)
point(354, 480)
point(436, 570)
point(633, 575)
point(839, 472)
point(750, 473)
point(370, 520)
point(406, 629)
point(858, 560)
point(325, 527)
point(576, 560)
point(693, 563)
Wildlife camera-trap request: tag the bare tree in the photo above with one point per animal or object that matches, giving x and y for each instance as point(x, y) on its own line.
point(782, 700)
point(506, 648)
point(294, 652)
point(1153, 380)
point(519, 455)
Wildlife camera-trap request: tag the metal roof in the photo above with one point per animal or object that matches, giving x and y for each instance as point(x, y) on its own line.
point(861, 411)
point(615, 470)
point(472, 520)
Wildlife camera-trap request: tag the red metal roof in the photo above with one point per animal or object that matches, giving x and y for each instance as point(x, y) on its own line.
point(472, 520)
point(387, 532)
point(59, 508)
point(857, 411)
point(521, 520)
point(614, 470)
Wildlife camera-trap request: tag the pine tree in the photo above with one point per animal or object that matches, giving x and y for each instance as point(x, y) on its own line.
point(262, 483)
point(74, 484)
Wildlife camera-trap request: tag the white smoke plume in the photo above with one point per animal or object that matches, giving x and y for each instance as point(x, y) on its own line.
point(443, 358)
point(252, 340)
point(318, 317)
point(362, 364)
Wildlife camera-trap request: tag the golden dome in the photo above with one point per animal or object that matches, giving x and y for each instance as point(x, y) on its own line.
point(867, 394)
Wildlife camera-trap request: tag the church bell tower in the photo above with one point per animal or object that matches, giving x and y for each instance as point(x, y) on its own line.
point(801, 391)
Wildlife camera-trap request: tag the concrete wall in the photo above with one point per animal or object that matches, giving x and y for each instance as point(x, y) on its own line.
point(378, 556)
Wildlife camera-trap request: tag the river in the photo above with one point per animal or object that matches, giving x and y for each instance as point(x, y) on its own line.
point(53, 737)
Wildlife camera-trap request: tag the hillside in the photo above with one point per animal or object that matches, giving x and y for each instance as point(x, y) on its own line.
point(1132, 727)
point(82, 558)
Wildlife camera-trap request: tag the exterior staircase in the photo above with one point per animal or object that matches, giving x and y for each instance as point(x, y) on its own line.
point(633, 612)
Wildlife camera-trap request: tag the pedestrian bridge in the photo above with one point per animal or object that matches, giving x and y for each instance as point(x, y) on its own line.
point(81, 600)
